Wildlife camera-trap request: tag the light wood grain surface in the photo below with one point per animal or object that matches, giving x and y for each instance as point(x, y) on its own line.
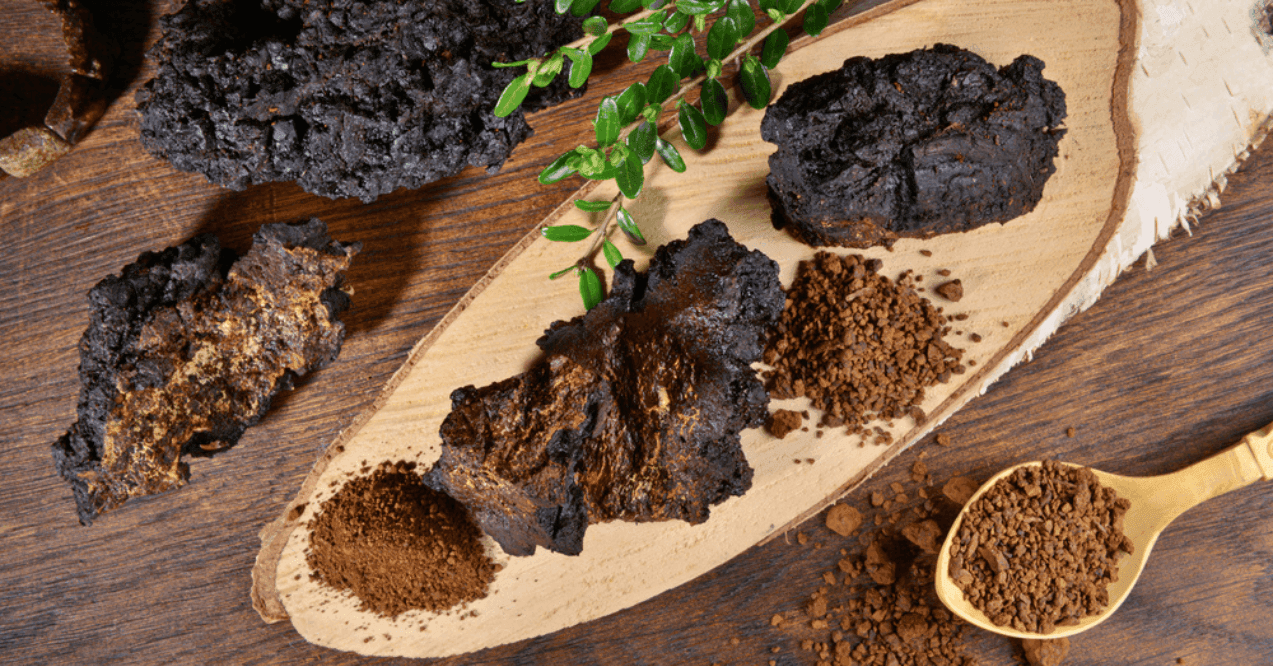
point(1171, 365)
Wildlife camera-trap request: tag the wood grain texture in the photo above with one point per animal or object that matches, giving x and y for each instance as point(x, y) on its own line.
point(1170, 366)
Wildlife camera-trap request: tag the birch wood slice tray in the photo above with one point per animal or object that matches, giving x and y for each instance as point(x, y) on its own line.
point(1163, 101)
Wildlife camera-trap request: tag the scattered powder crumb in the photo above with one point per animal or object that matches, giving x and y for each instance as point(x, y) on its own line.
point(952, 290)
point(960, 489)
point(974, 337)
point(782, 422)
point(843, 519)
point(1046, 653)
point(1069, 432)
point(943, 439)
point(945, 272)
point(926, 253)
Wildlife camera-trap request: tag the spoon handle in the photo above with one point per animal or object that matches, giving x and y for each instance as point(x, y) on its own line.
point(1238, 466)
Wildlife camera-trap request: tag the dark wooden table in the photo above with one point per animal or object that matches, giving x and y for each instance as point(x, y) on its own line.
point(1171, 365)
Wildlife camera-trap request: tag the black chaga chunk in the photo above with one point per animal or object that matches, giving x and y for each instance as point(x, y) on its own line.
point(911, 145)
point(349, 98)
point(634, 411)
point(186, 348)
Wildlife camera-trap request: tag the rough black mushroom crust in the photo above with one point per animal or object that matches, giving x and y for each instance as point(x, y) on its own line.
point(349, 98)
point(911, 145)
point(634, 411)
point(184, 351)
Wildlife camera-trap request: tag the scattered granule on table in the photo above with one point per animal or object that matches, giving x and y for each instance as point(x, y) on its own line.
point(398, 544)
point(1038, 549)
point(1046, 653)
point(1069, 432)
point(885, 611)
point(857, 344)
point(843, 519)
point(943, 439)
point(960, 489)
point(952, 291)
point(782, 422)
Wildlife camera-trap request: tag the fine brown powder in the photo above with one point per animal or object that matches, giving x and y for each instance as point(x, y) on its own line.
point(1038, 549)
point(398, 544)
point(857, 344)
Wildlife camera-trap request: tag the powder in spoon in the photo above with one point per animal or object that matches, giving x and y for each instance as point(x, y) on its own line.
point(398, 544)
point(1039, 548)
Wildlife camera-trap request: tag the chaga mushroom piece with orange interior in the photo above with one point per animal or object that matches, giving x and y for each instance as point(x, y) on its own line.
point(635, 409)
point(184, 351)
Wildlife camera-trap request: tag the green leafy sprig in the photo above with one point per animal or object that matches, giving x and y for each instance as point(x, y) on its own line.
point(626, 125)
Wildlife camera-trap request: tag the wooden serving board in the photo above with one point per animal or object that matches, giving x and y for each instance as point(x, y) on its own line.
point(1163, 102)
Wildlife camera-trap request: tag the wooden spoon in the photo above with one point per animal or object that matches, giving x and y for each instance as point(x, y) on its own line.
point(1155, 502)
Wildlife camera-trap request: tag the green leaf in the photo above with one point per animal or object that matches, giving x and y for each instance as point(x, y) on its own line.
point(815, 19)
point(562, 6)
point(755, 80)
point(612, 254)
point(631, 101)
point(766, 5)
point(661, 42)
point(589, 288)
point(676, 22)
point(595, 26)
point(599, 43)
point(618, 154)
point(638, 46)
point(606, 172)
point(671, 156)
point(591, 161)
point(693, 126)
point(699, 6)
point(714, 68)
point(743, 15)
point(548, 71)
point(653, 4)
point(513, 95)
point(592, 206)
point(518, 63)
point(559, 170)
point(651, 113)
point(566, 233)
point(629, 227)
point(581, 8)
point(642, 139)
point(830, 5)
point(580, 66)
point(683, 60)
point(789, 6)
point(624, 6)
point(662, 84)
point(776, 15)
point(700, 22)
point(631, 175)
point(715, 101)
point(607, 123)
point(646, 26)
point(775, 47)
point(557, 274)
point(722, 38)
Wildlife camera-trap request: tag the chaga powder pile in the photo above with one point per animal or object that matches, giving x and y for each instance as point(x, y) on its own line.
point(857, 344)
point(1038, 549)
point(398, 544)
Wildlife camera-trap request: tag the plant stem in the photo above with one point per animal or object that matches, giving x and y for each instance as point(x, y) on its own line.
point(588, 39)
point(605, 226)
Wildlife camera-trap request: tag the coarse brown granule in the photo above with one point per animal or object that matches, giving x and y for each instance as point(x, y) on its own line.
point(960, 489)
point(943, 439)
point(857, 344)
point(975, 337)
point(1069, 432)
point(398, 544)
point(1045, 653)
point(945, 272)
point(1038, 549)
point(843, 519)
point(926, 253)
point(951, 291)
point(782, 422)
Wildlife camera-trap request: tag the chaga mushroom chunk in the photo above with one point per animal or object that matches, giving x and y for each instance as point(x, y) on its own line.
point(635, 409)
point(349, 98)
point(911, 145)
point(182, 354)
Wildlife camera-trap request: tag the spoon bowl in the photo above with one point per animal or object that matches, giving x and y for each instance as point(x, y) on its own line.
point(1155, 502)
